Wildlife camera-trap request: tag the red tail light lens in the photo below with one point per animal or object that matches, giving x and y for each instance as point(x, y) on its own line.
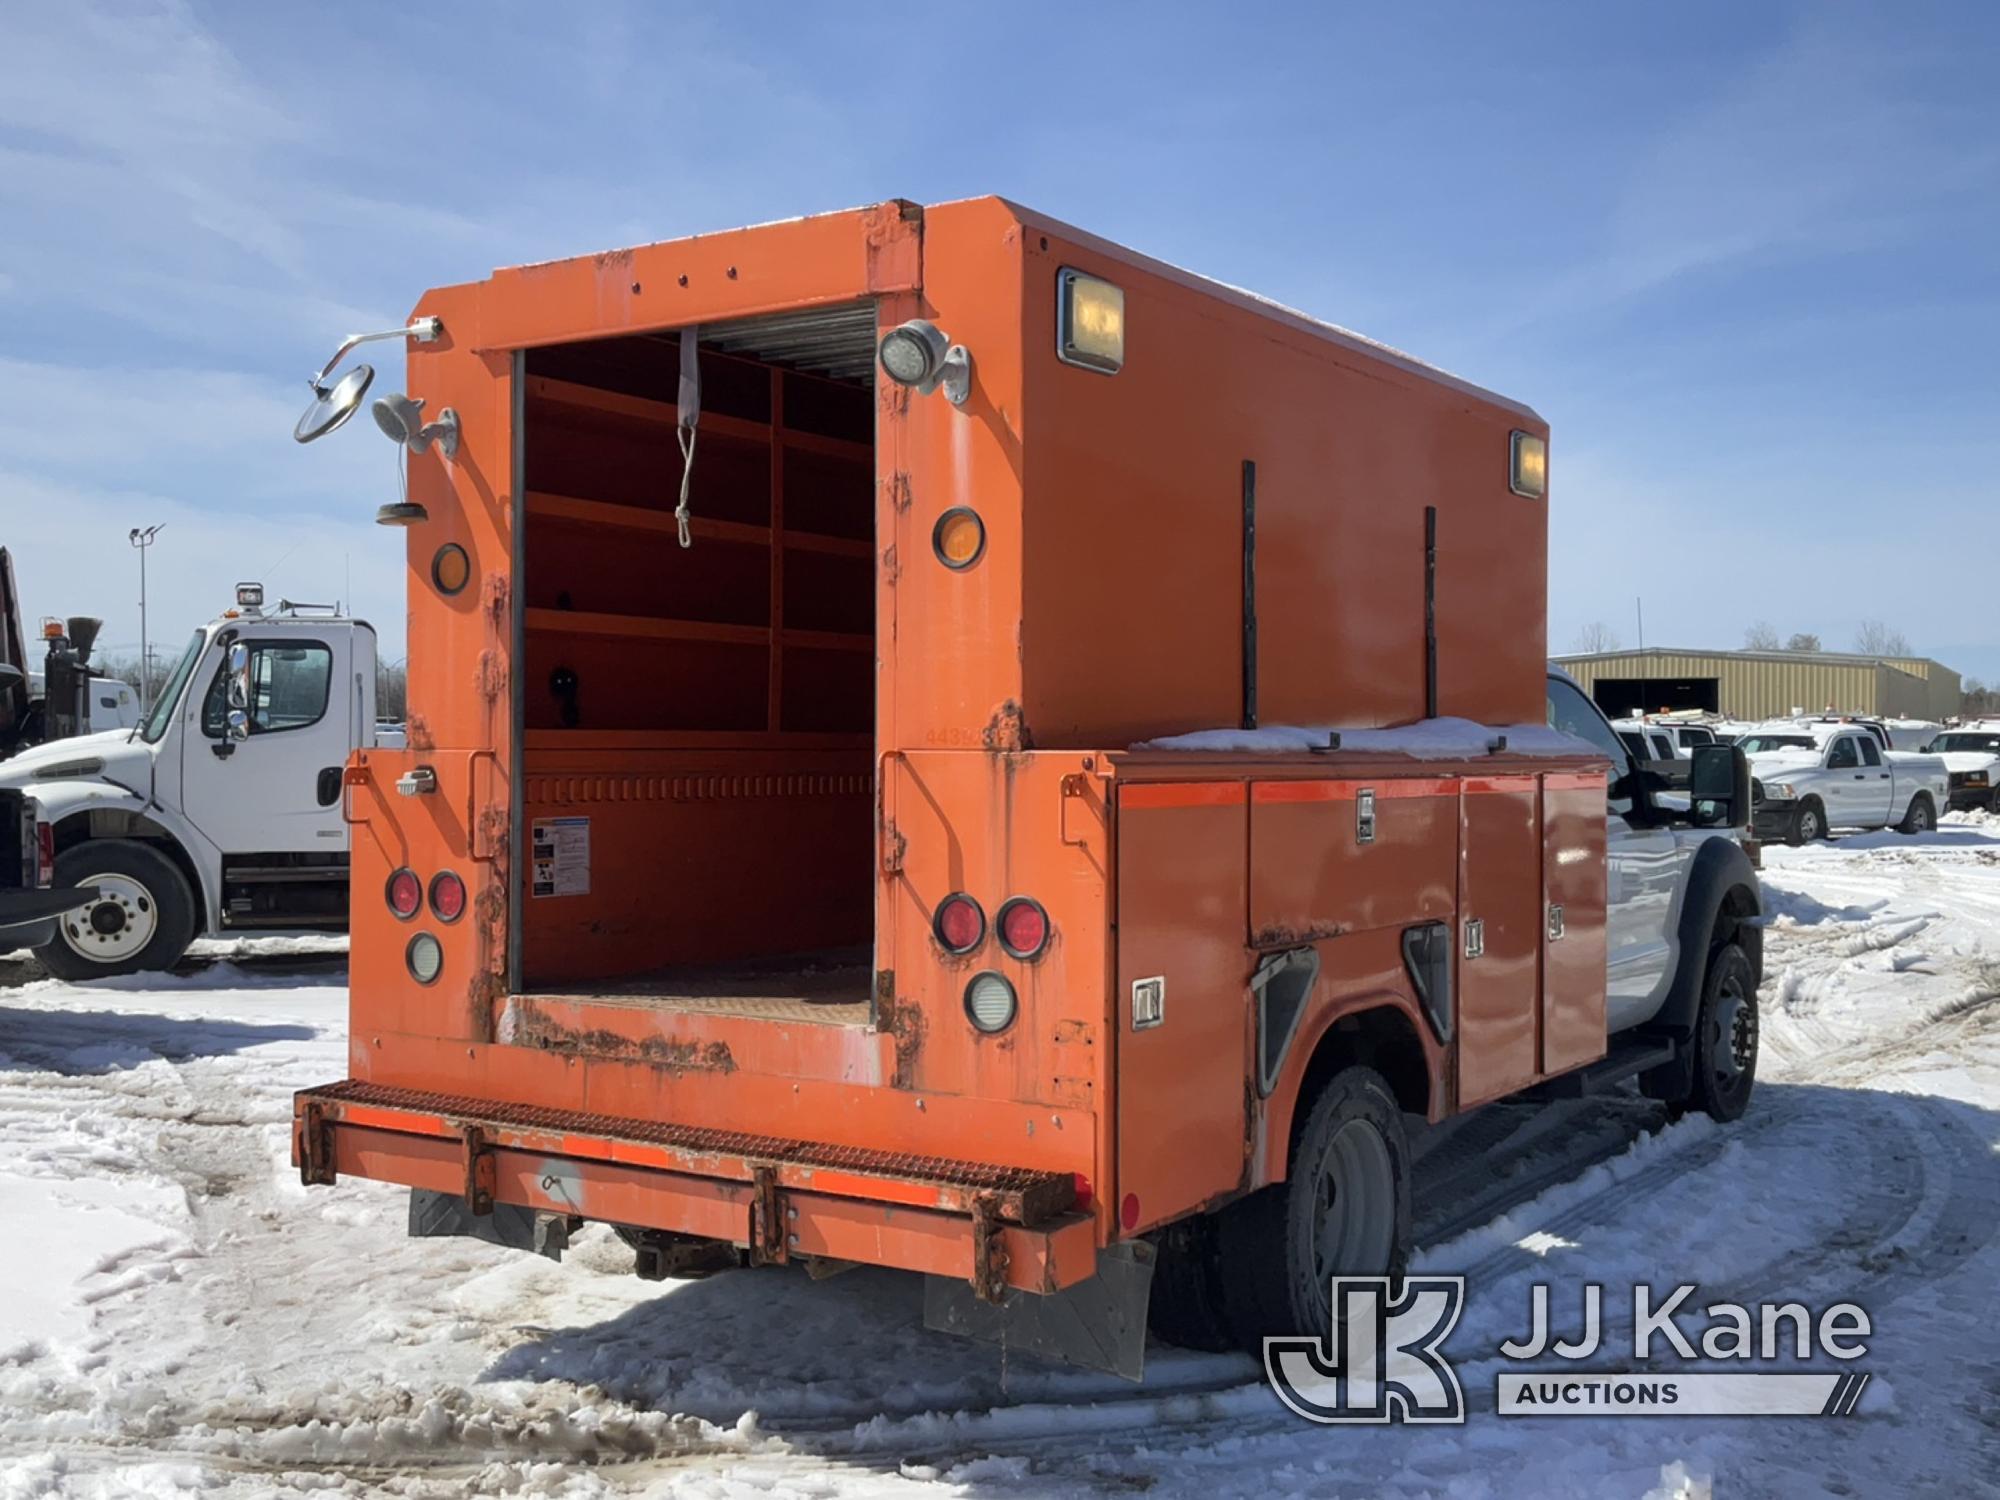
point(447, 897)
point(45, 853)
point(959, 924)
point(1023, 928)
point(405, 894)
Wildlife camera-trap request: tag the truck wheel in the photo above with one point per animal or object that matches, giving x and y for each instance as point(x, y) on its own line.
point(1344, 1209)
point(1808, 823)
point(143, 918)
point(1725, 1059)
point(1921, 818)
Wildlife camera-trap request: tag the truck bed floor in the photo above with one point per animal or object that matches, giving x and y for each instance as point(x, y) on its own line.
point(831, 987)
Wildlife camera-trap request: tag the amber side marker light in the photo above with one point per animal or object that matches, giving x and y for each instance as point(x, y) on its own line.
point(1528, 465)
point(959, 538)
point(451, 569)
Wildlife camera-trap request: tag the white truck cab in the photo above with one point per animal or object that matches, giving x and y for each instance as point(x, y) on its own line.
point(1971, 755)
point(220, 813)
point(1815, 775)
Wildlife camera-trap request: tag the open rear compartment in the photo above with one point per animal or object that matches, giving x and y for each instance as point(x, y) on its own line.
point(696, 723)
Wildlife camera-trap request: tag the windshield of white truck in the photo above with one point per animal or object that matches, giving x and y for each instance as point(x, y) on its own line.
point(1756, 744)
point(162, 712)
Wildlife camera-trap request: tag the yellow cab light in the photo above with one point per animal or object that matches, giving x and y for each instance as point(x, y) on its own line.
point(959, 538)
point(1528, 466)
point(1090, 322)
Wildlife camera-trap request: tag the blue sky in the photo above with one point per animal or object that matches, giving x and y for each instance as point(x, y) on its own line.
point(1743, 257)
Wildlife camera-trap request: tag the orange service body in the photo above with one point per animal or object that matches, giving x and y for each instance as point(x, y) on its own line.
point(707, 802)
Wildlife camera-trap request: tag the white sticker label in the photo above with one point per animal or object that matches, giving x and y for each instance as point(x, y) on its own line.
point(560, 857)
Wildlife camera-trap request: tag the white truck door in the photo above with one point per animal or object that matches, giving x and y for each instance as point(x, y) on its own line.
point(1642, 869)
point(278, 791)
point(1880, 783)
point(1848, 800)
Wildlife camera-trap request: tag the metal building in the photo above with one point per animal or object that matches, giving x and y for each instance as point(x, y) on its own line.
point(1766, 684)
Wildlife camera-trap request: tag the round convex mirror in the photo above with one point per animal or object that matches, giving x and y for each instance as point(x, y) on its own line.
point(333, 404)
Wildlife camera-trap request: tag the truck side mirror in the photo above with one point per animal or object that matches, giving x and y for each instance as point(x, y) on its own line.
point(239, 690)
point(238, 723)
point(1719, 786)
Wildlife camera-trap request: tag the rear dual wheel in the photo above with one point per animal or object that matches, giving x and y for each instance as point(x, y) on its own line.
point(1263, 1266)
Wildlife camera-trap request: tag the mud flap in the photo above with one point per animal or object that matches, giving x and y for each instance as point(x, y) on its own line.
point(1099, 1324)
point(439, 1215)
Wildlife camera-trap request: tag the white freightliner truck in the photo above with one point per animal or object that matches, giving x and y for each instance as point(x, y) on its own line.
point(219, 814)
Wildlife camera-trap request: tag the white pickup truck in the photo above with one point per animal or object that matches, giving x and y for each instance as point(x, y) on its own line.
point(1813, 776)
point(1971, 756)
point(219, 814)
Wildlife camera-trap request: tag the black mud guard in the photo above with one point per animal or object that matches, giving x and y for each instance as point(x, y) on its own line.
point(1720, 866)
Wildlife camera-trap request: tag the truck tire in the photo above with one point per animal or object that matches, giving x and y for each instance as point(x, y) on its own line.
point(1921, 817)
point(1808, 823)
point(144, 918)
point(1344, 1209)
point(1725, 1044)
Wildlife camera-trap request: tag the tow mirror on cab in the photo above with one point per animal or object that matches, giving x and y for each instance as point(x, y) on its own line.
point(1719, 786)
point(239, 692)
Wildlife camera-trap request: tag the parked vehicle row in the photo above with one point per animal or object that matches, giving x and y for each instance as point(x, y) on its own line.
point(1815, 775)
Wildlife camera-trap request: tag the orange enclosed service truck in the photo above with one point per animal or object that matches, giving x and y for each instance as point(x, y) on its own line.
point(936, 741)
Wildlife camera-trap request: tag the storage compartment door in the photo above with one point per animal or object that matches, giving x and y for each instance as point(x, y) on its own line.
point(1182, 1003)
point(1499, 936)
point(1573, 921)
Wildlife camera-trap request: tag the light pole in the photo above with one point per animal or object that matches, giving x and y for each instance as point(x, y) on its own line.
point(142, 539)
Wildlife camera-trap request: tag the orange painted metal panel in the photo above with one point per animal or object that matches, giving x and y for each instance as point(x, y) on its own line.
point(1499, 990)
point(1182, 894)
point(1573, 962)
point(1312, 877)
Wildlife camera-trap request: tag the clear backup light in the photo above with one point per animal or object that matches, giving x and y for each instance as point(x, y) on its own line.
point(424, 958)
point(1528, 465)
point(990, 1003)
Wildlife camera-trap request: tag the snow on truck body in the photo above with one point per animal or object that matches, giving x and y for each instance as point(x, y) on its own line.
point(892, 925)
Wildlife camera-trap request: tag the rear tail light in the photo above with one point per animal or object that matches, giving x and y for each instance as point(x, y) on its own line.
point(45, 853)
point(447, 897)
point(405, 894)
point(1023, 928)
point(959, 925)
point(990, 1002)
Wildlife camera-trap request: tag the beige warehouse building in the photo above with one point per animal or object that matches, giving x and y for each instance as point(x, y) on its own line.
point(1766, 684)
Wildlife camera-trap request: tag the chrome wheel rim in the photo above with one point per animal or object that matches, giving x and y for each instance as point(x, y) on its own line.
point(1354, 1205)
point(119, 924)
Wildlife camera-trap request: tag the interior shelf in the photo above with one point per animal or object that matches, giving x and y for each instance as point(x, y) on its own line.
point(606, 513)
point(643, 627)
point(645, 409)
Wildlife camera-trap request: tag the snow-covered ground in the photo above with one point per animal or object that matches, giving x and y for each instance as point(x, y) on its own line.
point(178, 1316)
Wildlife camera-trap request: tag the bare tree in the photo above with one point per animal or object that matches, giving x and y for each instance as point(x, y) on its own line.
point(126, 670)
point(1760, 637)
point(1803, 641)
point(391, 689)
point(1596, 637)
point(1877, 639)
point(1978, 701)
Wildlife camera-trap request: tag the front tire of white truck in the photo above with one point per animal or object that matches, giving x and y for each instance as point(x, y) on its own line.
point(1343, 1209)
point(144, 917)
point(1725, 1043)
point(1808, 824)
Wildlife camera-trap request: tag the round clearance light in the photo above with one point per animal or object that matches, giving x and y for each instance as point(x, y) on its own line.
point(913, 353)
point(1023, 928)
point(959, 924)
point(425, 958)
point(451, 569)
point(989, 1002)
point(447, 897)
point(405, 894)
point(959, 538)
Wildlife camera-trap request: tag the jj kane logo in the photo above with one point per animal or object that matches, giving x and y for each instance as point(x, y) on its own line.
point(1384, 1361)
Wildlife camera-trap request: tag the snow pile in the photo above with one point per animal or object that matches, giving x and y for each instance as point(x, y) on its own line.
point(1427, 739)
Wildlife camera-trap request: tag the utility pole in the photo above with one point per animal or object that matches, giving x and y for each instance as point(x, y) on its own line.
point(142, 539)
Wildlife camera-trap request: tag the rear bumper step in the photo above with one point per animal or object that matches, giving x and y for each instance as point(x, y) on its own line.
point(997, 1227)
